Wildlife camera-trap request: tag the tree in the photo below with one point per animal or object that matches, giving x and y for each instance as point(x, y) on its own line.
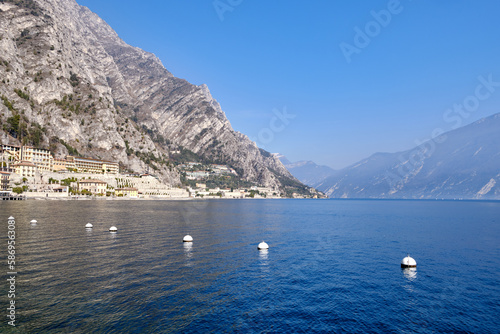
point(74, 80)
point(13, 125)
point(86, 192)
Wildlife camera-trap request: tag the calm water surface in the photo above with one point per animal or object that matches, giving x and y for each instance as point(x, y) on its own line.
point(333, 266)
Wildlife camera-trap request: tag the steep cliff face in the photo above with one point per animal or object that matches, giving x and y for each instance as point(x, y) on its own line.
point(75, 85)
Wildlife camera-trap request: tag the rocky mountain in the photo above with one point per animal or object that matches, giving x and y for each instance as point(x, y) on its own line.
point(463, 163)
point(69, 83)
point(307, 172)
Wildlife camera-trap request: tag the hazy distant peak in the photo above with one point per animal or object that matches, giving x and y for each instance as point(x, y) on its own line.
point(307, 172)
point(462, 163)
point(282, 158)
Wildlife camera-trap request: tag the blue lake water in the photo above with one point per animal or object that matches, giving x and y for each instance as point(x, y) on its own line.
point(332, 266)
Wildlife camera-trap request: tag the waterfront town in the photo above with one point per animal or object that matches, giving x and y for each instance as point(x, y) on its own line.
point(33, 173)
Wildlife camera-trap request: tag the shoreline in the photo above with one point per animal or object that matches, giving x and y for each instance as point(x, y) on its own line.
point(143, 199)
point(249, 198)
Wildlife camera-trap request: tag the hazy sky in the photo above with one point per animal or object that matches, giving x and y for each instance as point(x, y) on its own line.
point(346, 78)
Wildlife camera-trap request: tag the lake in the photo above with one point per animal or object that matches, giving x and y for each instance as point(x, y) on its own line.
point(332, 266)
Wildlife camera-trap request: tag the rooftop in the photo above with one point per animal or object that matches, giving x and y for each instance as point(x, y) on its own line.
point(92, 159)
point(25, 163)
point(92, 181)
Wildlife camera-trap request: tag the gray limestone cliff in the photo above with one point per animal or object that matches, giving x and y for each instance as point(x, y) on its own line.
point(75, 86)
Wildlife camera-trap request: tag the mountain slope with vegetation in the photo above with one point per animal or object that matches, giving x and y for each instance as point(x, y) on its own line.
point(71, 85)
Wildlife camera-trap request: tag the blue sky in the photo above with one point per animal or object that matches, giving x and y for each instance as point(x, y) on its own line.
point(358, 77)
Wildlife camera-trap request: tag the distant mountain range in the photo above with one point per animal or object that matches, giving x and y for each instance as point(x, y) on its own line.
point(463, 163)
point(307, 172)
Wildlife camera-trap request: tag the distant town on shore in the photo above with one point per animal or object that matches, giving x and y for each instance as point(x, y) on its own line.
point(33, 173)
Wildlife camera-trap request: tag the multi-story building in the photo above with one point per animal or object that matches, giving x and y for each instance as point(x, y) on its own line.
point(6, 161)
point(4, 181)
point(197, 175)
point(42, 158)
point(62, 164)
point(94, 166)
point(12, 152)
point(95, 187)
point(127, 192)
point(25, 169)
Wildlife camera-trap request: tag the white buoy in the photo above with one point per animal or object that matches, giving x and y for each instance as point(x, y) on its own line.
point(33, 221)
point(408, 262)
point(187, 238)
point(89, 225)
point(113, 229)
point(263, 245)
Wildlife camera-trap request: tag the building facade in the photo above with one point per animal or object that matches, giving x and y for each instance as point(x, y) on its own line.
point(45, 162)
point(42, 158)
point(4, 181)
point(127, 192)
point(6, 161)
point(13, 151)
point(94, 166)
point(25, 169)
point(62, 164)
point(95, 187)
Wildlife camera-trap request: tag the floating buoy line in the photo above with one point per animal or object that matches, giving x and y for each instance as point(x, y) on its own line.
point(407, 262)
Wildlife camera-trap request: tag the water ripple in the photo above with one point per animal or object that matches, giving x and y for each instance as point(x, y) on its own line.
point(332, 266)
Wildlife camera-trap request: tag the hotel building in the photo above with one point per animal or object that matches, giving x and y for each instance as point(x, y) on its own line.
point(93, 186)
point(127, 192)
point(44, 161)
point(94, 166)
point(42, 158)
point(25, 169)
point(4, 181)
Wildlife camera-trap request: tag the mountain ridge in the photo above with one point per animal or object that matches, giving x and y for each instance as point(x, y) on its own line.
point(307, 172)
point(461, 163)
